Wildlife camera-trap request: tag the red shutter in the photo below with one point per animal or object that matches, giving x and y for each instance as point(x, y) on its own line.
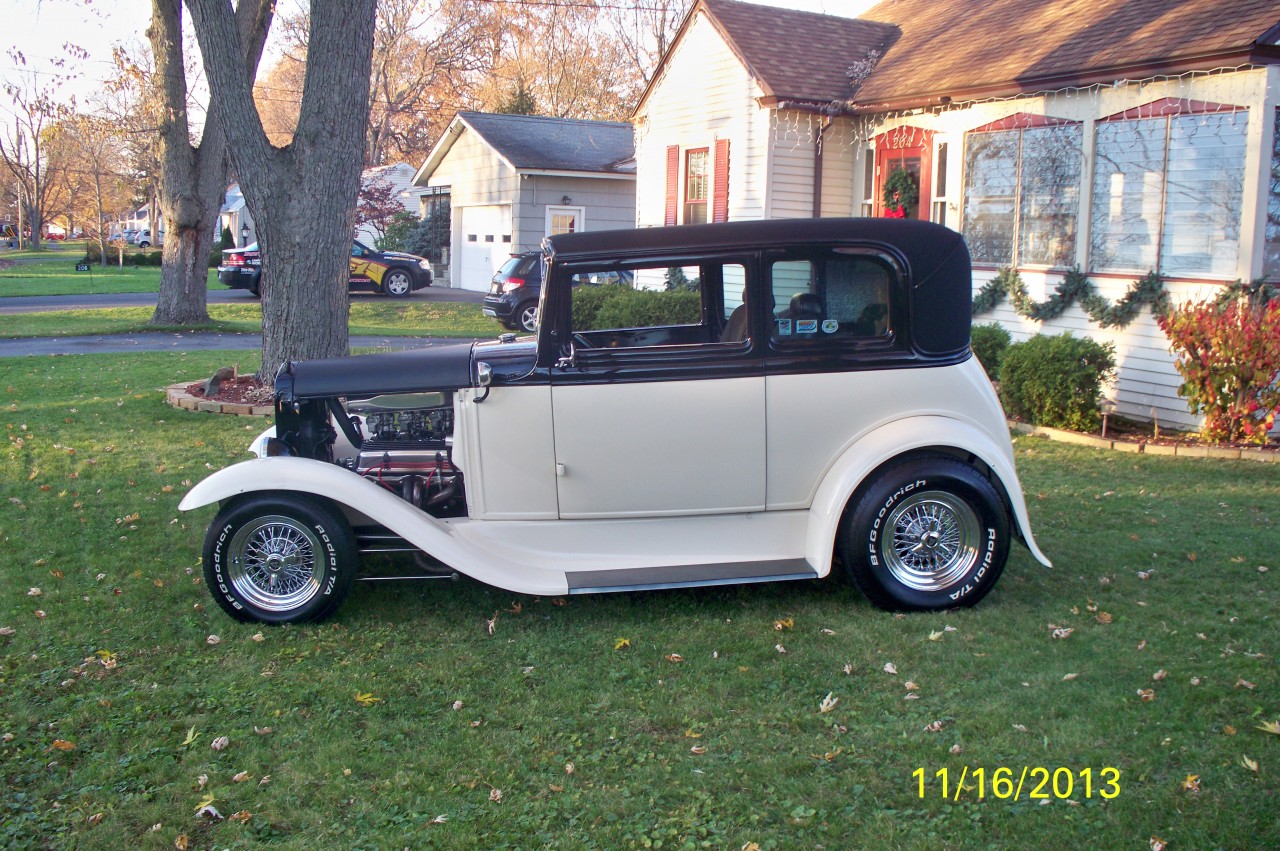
point(720, 194)
point(673, 184)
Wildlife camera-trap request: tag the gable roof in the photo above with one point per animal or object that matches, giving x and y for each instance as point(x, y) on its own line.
point(534, 143)
point(1005, 47)
point(908, 53)
point(792, 55)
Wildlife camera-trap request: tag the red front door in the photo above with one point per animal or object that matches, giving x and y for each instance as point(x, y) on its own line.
point(909, 149)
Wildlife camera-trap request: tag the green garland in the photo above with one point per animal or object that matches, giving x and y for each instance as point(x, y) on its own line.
point(1075, 287)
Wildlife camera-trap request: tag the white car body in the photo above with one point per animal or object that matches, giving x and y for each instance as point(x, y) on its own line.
point(635, 459)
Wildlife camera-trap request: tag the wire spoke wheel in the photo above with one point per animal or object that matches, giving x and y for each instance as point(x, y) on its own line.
point(275, 563)
point(932, 542)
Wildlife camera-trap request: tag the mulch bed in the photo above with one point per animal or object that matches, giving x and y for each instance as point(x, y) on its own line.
point(243, 390)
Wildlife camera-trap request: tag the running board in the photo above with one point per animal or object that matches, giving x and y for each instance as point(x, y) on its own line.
point(688, 576)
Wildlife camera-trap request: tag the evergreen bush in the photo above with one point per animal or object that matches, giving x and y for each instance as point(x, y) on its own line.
point(989, 343)
point(1056, 381)
point(620, 306)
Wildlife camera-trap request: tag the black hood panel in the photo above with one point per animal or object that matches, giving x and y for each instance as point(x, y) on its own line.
point(445, 367)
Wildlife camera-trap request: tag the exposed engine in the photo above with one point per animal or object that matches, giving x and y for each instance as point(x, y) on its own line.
point(406, 447)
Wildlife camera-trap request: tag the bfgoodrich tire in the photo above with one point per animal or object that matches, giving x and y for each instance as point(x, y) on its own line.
point(930, 533)
point(279, 558)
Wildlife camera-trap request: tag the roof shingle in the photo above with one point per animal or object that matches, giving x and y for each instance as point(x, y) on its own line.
point(537, 143)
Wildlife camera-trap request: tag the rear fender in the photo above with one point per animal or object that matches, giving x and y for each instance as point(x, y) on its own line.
point(881, 446)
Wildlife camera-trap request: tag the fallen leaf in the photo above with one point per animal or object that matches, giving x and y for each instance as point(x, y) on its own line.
point(826, 631)
point(213, 639)
point(955, 750)
point(1231, 731)
point(95, 819)
point(936, 636)
point(1146, 694)
point(241, 817)
point(259, 637)
point(568, 768)
point(828, 703)
point(220, 743)
point(491, 624)
point(207, 801)
point(181, 842)
point(1243, 683)
point(1191, 556)
point(1063, 632)
point(1142, 644)
point(779, 648)
point(262, 731)
point(515, 608)
point(1070, 677)
point(495, 795)
point(1191, 783)
point(674, 657)
point(910, 686)
point(1021, 728)
point(1160, 675)
point(692, 734)
point(1272, 727)
point(1155, 843)
point(266, 778)
point(697, 750)
point(1103, 617)
point(441, 819)
point(933, 727)
point(1251, 764)
point(201, 781)
point(1195, 681)
point(457, 704)
point(63, 745)
point(366, 698)
point(241, 777)
point(848, 668)
point(785, 623)
point(1144, 575)
point(35, 592)
point(890, 668)
point(621, 643)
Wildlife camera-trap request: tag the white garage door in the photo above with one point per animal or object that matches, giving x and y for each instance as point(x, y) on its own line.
point(484, 244)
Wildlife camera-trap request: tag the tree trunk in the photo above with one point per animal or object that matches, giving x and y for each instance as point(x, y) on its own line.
point(193, 180)
point(302, 196)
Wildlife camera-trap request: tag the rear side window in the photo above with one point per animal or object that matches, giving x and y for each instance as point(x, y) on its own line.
point(832, 297)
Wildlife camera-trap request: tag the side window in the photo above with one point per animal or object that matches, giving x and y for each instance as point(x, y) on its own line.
point(832, 297)
point(663, 304)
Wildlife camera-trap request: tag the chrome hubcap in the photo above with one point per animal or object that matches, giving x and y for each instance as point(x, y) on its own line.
point(274, 563)
point(932, 541)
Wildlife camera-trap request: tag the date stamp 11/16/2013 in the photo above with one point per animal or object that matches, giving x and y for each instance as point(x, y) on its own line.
point(1030, 783)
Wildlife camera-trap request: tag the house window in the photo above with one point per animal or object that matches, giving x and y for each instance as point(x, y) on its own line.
point(696, 185)
point(1022, 195)
point(564, 220)
point(869, 182)
point(1167, 190)
point(939, 214)
point(1271, 247)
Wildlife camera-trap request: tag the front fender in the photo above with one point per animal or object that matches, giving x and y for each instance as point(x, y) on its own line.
point(895, 439)
point(358, 494)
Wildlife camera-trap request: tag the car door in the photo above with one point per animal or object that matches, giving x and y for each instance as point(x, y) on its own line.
point(658, 419)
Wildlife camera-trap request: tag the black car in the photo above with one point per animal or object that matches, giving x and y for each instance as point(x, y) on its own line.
point(513, 294)
point(392, 273)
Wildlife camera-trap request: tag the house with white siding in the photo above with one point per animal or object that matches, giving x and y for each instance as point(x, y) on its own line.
point(1118, 137)
point(514, 179)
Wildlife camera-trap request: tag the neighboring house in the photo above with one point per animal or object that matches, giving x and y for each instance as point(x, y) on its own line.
point(399, 176)
point(514, 179)
point(1119, 136)
point(235, 217)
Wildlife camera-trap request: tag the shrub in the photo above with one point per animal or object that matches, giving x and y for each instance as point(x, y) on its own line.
point(398, 232)
point(989, 343)
point(620, 306)
point(227, 240)
point(1056, 381)
point(1229, 359)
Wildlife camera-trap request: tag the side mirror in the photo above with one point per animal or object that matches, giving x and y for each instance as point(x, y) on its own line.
point(484, 378)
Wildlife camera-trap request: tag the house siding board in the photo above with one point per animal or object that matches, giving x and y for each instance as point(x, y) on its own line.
point(721, 106)
point(607, 205)
point(839, 161)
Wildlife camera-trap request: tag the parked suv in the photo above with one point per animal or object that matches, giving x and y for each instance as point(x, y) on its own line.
point(514, 291)
point(392, 273)
point(803, 399)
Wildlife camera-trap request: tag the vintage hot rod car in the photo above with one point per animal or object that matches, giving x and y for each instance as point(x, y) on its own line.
point(807, 398)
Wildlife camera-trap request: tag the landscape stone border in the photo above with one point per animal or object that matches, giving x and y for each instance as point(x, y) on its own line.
point(1181, 450)
point(177, 396)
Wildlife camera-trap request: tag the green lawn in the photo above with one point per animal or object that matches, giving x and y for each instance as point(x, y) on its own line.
point(369, 315)
point(119, 674)
point(54, 273)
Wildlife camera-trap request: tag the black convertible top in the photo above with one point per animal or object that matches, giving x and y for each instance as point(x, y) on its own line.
point(935, 259)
